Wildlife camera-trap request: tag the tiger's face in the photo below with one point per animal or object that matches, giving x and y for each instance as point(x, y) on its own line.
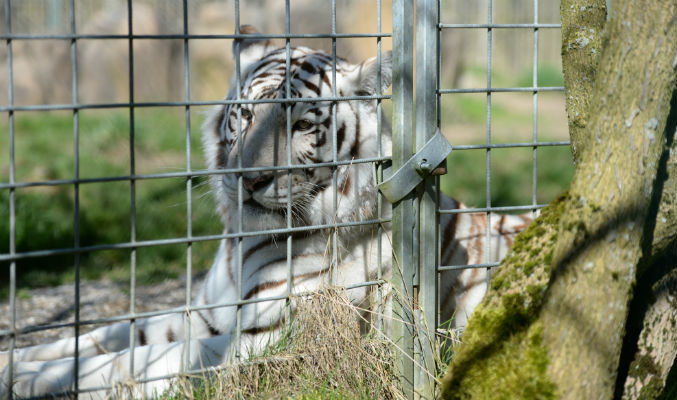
point(276, 146)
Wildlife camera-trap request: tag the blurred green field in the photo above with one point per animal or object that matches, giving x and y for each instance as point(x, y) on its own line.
point(45, 215)
point(511, 176)
point(464, 122)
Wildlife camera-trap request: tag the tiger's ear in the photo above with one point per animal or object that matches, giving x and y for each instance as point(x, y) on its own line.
point(251, 49)
point(366, 75)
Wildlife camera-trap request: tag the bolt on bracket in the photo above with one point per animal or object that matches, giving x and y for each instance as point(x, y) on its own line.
point(425, 162)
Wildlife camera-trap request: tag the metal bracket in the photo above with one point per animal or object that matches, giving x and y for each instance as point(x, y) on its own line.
point(425, 162)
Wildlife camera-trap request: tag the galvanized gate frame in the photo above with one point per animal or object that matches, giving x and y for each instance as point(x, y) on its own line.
point(414, 208)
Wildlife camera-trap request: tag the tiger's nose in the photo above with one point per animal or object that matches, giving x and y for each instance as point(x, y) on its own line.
point(257, 182)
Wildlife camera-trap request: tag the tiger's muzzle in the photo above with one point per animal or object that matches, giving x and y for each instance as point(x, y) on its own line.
point(251, 184)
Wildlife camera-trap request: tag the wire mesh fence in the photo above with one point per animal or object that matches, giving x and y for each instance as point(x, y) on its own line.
point(490, 90)
point(163, 64)
point(492, 87)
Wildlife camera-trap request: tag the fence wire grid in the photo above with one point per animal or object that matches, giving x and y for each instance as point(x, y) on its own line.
point(437, 29)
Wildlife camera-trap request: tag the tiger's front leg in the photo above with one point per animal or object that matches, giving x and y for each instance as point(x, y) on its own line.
point(110, 339)
point(38, 378)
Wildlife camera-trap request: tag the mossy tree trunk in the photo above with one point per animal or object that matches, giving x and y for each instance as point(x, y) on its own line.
point(582, 28)
point(581, 304)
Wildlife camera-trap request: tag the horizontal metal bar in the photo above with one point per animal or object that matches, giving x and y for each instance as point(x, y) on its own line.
point(188, 174)
point(443, 268)
point(66, 36)
point(171, 241)
point(190, 373)
point(378, 282)
point(136, 381)
point(504, 90)
point(491, 209)
point(135, 316)
point(202, 372)
point(55, 107)
point(509, 145)
point(498, 26)
point(174, 310)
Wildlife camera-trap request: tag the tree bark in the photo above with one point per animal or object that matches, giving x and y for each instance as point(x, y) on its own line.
point(651, 336)
point(554, 320)
point(656, 353)
point(582, 28)
point(603, 234)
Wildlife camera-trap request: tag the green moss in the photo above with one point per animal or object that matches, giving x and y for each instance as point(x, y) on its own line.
point(652, 389)
point(502, 355)
point(529, 267)
point(499, 283)
point(548, 257)
point(536, 293)
point(644, 367)
point(516, 369)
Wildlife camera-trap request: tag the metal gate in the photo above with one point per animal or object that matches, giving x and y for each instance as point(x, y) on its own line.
point(418, 149)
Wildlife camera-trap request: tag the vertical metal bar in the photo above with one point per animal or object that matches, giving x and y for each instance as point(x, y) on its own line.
point(403, 215)
point(76, 197)
point(438, 124)
point(487, 253)
point(426, 119)
point(334, 147)
point(379, 175)
point(439, 64)
point(12, 202)
point(534, 176)
point(54, 15)
point(288, 107)
point(189, 190)
point(132, 184)
point(240, 185)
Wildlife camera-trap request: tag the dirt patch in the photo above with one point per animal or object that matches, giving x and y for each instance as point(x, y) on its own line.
point(98, 299)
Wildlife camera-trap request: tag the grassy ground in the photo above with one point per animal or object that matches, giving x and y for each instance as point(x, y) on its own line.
point(44, 151)
point(511, 175)
point(45, 215)
point(464, 122)
point(313, 360)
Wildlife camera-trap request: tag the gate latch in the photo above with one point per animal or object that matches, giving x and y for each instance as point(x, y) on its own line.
point(425, 162)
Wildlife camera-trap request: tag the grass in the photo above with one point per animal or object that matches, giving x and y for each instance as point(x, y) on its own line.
point(45, 215)
point(313, 360)
point(511, 175)
point(548, 75)
point(464, 120)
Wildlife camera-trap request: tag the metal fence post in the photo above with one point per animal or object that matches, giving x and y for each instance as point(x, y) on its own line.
point(12, 203)
point(404, 216)
point(426, 121)
point(76, 198)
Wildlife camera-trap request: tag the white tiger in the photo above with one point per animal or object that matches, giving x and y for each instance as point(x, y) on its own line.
point(104, 354)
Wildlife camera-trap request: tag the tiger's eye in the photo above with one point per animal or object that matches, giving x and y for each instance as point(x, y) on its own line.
point(246, 114)
point(302, 125)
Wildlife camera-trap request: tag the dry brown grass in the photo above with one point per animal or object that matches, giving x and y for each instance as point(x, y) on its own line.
point(322, 355)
